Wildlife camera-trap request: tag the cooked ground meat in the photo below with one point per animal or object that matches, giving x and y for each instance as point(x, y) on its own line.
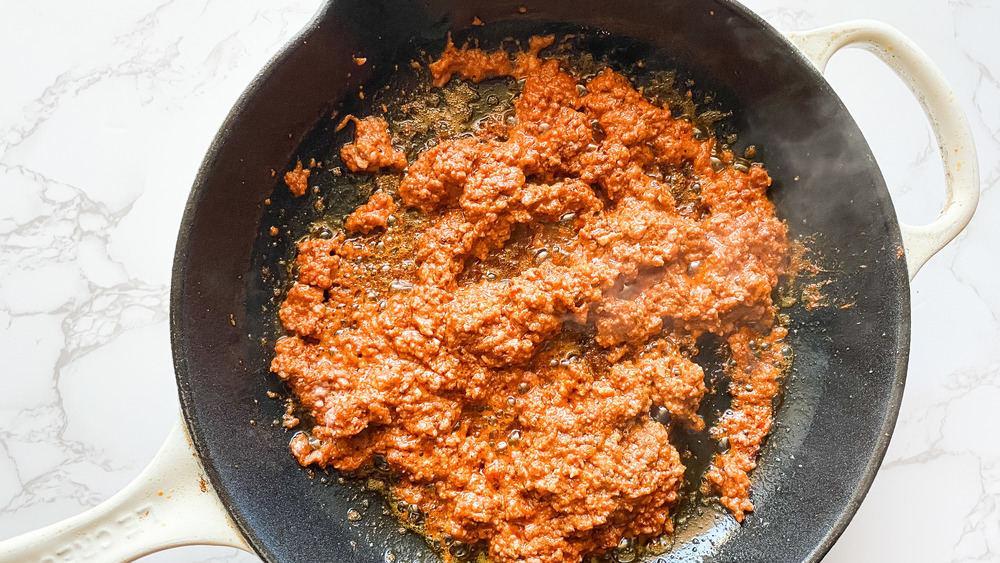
point(504, 352)
point(297, 180)
point(372, 147)
point(371, 215)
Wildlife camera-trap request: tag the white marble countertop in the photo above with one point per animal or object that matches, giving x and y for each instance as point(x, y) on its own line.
point(107, 108)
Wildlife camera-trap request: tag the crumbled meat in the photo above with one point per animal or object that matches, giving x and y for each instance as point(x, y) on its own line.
point(297, 180)
point(372, 147)
point(371, 215)
point(503, 352)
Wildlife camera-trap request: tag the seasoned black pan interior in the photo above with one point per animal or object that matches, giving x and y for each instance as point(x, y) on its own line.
point(843, 392)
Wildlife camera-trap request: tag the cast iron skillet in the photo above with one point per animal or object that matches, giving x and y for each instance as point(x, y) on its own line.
point(841, 399)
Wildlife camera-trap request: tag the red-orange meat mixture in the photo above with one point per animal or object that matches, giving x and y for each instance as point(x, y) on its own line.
point(461, 362)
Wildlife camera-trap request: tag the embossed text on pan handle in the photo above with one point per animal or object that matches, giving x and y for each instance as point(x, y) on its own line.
point(928, 84)
point(171, 503)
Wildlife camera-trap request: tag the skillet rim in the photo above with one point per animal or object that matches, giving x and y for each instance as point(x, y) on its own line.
point(179, 269)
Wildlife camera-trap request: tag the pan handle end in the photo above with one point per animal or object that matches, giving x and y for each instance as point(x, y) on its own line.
point(171, 503)
point(948, 121)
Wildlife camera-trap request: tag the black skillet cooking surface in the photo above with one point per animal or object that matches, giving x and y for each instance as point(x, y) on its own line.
point(843, 393)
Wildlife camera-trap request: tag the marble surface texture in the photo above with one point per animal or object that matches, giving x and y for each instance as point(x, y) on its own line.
point(107, 107)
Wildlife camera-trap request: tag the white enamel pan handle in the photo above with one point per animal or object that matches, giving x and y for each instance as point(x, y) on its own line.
point(928, 84)
point(171, 503)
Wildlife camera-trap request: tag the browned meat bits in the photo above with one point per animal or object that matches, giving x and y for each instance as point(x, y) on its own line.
point(502, 353)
